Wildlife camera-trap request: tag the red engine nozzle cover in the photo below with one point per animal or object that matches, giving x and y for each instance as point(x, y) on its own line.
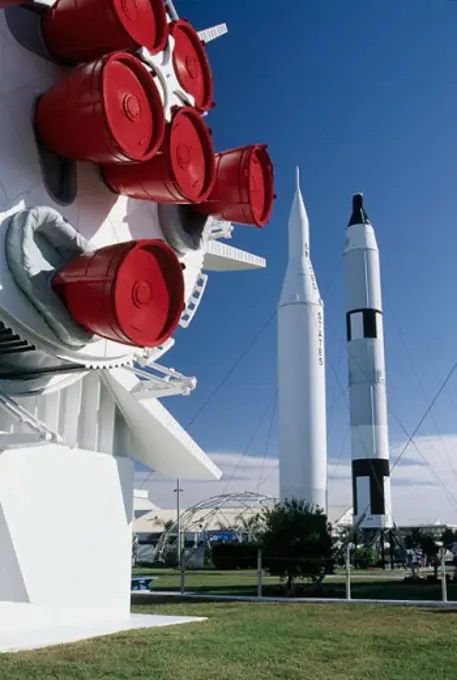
point(191, 64)
point(10, 3)
point(108, 111)
point(244, 187)
point(183, 171)
point(82, 30)
point(131, 293)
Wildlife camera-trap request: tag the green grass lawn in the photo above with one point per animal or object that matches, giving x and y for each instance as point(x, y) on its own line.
point(260, 642)
point(365, 586)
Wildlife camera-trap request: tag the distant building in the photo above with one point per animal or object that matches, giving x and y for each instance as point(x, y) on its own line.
point(141, 504)
point(148, 523)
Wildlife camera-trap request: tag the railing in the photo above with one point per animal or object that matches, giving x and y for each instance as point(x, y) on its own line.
point(259, 578)
point(158, 381)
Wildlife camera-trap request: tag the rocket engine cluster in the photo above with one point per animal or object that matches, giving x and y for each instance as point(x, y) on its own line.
point(301, 373)
point(134, 85)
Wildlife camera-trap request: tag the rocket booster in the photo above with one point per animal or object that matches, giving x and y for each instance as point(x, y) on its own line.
point(367, 375)
point(301, 371)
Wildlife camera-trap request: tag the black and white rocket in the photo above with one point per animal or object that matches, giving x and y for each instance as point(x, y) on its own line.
point(367, 375)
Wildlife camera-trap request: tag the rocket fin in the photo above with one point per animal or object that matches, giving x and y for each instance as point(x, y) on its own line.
point(160, 441)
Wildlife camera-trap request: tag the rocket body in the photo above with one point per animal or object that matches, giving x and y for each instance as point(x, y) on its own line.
point(302, 431)
point(367, 376)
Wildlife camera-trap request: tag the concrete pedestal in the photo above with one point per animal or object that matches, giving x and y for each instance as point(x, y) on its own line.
point(65, 546)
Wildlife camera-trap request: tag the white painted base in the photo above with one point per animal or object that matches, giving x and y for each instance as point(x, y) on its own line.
point(55, 634)
point(64, 514)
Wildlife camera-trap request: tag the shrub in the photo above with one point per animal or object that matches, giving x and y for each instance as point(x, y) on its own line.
point(230, 556)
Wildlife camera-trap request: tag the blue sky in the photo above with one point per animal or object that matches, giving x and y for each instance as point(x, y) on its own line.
point(362, 94)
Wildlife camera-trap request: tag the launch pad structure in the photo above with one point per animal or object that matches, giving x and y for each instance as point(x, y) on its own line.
point(377, 539)
point(97, 269)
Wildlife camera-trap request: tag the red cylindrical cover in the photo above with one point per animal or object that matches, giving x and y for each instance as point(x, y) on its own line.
point(108, 111)
point(183, 172)
point(131, 292)
point(244, 187)
point(10, 3)
point(82, 30)
point(191, 64)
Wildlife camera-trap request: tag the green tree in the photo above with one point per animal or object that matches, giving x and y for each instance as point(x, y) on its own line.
point(413, 539)
point(296, 542)
point(364, 558)
point(448, 537)
point(169, 524)
point(430, 550)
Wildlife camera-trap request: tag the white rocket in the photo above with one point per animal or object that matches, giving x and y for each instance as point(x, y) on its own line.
point(367, 376)
point(301, 371)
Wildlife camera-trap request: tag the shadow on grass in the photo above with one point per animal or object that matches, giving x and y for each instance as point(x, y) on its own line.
point(145, 599)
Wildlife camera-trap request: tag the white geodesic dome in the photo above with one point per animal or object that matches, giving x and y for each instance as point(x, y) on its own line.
point(232, 511)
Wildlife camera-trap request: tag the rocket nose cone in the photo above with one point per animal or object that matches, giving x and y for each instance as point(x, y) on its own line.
point(359, 215)
point(357, 202)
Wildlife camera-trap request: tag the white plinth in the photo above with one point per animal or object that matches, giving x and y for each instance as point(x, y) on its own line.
point(65, 546)
point(52, 634)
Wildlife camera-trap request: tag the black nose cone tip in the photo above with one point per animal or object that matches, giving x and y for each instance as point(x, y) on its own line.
point(359, 215)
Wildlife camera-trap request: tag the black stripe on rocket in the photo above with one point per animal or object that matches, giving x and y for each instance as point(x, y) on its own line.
point(375, 469)
point(362, 323)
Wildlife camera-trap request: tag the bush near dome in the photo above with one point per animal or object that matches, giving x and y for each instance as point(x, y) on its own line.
point(297, 542)
point(233, 556)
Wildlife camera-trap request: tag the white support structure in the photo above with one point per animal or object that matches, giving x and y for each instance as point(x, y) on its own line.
point(157, 439)
point(114, 412)
point(54, 497)
point(194, 301)
point(23, 419)
point(88, 412)
point(209, 34)
point(220, 257)
point(216, 229)
point(107, 416)
point(70, 412)
point(171, 9)
point(154, 386)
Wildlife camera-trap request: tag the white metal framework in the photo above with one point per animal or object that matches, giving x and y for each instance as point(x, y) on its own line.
point(232, 510)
